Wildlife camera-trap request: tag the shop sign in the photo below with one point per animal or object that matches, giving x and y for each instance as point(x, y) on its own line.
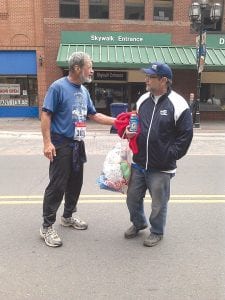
point(116, 38)
point(109, 75)
point(14, 102)
point(221, 41)
point(9, 89)
point(216, 40)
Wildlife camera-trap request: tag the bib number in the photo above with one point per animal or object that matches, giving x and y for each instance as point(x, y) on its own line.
point(80, 130)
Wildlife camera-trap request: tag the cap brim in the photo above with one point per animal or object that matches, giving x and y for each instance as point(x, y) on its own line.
point(149, 71)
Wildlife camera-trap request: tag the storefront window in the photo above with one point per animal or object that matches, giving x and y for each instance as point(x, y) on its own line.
point(136, 90)
point(134, 9)
point(104, 94)
point(98, 9)
point(18, 91)
point(69, 8)
point(163, 10)
point(212, 97)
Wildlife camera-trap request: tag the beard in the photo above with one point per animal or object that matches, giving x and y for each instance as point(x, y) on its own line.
point(87, 79)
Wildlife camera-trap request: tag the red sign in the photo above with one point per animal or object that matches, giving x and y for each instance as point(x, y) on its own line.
point(9, 89)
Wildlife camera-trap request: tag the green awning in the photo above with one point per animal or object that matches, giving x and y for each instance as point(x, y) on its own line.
point(134, 57)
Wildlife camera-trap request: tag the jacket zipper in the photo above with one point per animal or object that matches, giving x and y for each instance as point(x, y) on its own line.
point(146, 165)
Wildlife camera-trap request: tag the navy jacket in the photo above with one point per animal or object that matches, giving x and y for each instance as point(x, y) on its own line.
point(166, 131)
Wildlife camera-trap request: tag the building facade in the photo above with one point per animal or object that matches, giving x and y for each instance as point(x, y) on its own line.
point(21, 43)
point(121, 36)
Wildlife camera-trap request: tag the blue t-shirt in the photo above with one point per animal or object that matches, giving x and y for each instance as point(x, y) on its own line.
point(69, 104)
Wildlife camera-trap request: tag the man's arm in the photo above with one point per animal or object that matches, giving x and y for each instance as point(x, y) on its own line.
point(102, 119)
point(184, 134)
point(49, 149)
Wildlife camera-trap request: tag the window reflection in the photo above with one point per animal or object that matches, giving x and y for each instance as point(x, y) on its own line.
point(98, 9)
point(69, 8)
point(18, 91)
point(105, 94)
point(134, 9)
point(163, 10)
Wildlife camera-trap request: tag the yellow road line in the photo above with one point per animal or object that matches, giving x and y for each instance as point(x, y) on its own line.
point(116, 202)
point(117, 198)
point(84, 196)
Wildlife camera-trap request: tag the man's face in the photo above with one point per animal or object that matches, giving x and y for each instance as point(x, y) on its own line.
point(86, 72)
point(192, 96)
point(155, 84)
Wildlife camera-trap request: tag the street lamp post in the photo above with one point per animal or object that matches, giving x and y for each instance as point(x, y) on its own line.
point(197, 13)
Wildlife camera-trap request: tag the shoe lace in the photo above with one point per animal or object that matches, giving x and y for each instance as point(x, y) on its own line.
point(77, 220)
point(51, 232)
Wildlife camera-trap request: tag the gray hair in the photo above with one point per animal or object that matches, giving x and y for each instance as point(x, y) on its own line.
point(77, 59)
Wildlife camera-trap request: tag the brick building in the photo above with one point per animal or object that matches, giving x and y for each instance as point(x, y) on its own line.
point(121, 36)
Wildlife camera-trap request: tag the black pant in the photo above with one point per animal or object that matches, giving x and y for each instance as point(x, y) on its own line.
point(193, 109)
point(63, 181)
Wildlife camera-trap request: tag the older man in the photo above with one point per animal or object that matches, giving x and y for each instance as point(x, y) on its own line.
point(63, 122)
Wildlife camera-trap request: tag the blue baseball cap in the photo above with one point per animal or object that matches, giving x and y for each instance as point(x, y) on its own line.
point(159, 69)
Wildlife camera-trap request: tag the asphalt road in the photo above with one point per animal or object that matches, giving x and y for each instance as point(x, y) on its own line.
point(99, 263)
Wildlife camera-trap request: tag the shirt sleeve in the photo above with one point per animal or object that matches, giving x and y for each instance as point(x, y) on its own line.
point(51, 100)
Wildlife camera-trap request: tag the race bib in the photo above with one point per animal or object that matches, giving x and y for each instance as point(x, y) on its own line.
point(80, 130)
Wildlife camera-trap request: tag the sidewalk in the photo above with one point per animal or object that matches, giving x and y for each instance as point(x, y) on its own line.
point(33, 125)
point(27, 139)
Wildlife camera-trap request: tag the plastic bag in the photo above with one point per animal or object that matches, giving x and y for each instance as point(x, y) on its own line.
point(116, 169)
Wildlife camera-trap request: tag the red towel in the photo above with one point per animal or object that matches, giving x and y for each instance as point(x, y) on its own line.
point(121, 122)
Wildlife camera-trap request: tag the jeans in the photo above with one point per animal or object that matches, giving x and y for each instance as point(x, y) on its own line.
point(158, 184)
point(63, 182)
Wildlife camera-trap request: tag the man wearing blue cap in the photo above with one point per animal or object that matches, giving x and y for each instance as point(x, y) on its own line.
point(165, 135)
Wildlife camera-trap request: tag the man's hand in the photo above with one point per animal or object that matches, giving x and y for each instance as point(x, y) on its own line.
point(49, 151)
point(129, 134)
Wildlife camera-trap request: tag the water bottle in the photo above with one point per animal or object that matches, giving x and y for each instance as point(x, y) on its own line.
point(133, 122)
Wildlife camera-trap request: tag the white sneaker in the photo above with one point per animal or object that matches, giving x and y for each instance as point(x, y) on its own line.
point(50, 237)
point(74, 222)
point(152, 240)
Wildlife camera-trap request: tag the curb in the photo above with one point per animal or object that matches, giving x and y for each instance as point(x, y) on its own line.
point(101, 132)
point(39, 135)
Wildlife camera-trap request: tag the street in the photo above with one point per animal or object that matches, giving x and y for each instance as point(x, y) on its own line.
point(99, 263)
